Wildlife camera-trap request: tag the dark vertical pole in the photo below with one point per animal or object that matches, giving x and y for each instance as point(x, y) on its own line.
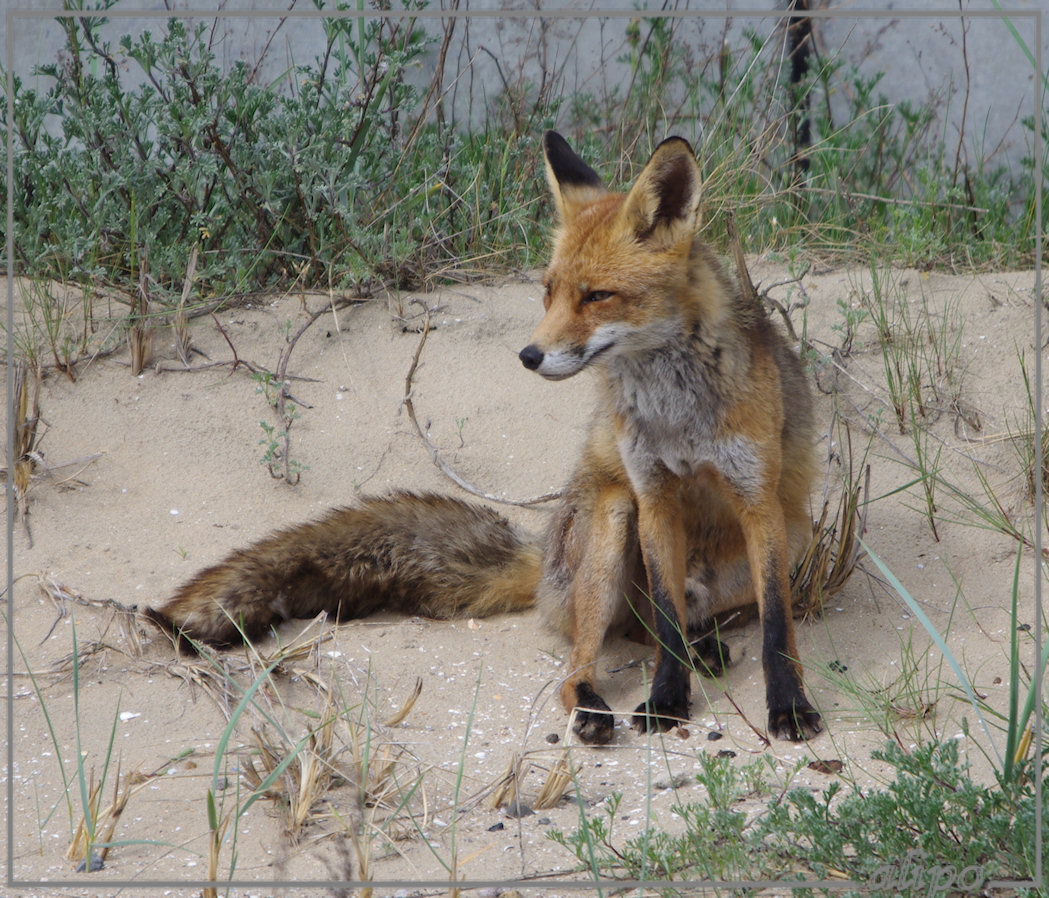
point(799, 52)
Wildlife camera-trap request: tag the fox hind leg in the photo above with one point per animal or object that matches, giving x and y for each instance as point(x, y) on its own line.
point(710, 656)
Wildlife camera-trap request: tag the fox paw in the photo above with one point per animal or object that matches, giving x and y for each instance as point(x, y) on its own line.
point(658, 717)
point(594, 722)
point(796, 722)
point(594, 727)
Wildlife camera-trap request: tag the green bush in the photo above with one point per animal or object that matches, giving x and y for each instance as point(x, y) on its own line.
point(345, 171)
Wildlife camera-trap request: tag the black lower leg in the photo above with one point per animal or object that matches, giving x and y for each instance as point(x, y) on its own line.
point(668, 701)
point(791, 716)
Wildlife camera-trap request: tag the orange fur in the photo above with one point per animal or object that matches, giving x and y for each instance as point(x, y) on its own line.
point(681, 507)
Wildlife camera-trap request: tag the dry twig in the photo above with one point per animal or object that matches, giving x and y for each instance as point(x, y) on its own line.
point(435, 456)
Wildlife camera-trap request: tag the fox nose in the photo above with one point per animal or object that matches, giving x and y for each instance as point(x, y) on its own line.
point(531, 357)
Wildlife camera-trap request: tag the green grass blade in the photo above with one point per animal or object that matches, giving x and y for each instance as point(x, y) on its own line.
point(1012, 736)
point(936, 636)
point(220, 749)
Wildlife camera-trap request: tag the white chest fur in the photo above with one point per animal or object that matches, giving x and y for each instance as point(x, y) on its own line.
point(669, 406)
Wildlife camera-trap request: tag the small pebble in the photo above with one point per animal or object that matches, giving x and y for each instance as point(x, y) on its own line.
point(96, 864)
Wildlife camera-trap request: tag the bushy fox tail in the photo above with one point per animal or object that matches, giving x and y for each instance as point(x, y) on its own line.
point(418, 554)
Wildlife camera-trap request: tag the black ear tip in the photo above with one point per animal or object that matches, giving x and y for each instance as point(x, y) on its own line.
point(554, 142)
point(568, 168)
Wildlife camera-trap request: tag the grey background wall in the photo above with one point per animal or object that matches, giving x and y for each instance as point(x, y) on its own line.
point(972, 67)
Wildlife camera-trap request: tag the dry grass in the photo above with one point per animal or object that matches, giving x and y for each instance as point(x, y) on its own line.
point(26, 415)
point(343, 779)
point(834, 550)
point(559, 776)
point(98, 825)
point(305, 781)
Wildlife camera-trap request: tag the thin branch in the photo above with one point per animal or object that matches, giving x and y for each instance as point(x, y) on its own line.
point(435, 456)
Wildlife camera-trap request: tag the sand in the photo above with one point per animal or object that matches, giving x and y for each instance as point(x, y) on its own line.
point(144, 480)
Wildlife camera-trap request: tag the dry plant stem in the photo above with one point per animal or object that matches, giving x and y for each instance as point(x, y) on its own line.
point(236, 362)
point(899, 201)
point(60, 595)
point(180, 326)
point(406, 708)
point(505, 789)
point(559, 778)
point(211, 680)
point(229, 343)
point(214, 847)
point(26, 416)
point(435, 456)
point(763, 737)
point(834, 551)
point(81, 846)
point(140, 334)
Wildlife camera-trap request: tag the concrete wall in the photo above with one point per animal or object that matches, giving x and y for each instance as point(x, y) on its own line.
point(974, 69)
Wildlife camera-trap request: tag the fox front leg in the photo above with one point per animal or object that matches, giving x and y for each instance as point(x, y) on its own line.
point(791, 715)
point(604, 559)
point(662, 535)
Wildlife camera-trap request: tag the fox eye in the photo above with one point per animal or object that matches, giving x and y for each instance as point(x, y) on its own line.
point(596, 296)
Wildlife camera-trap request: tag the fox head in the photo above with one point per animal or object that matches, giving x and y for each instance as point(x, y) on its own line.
point(619, 261)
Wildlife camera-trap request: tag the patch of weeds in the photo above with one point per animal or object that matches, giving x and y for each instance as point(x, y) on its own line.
point(1013, 767)
point(931, 809)
point(58, 320)
point(1023, 439)
point(25, 456)
point(931, 816)
point(338, 777)
point(274, 456)
point(346, 170)
point(919, 347)
point(852, 316)
point(224, 812)
point(993, 506)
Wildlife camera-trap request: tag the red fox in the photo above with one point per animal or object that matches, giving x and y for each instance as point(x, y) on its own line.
point(691, 496)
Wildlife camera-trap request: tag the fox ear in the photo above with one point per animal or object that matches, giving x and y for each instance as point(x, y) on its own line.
point(663, 205)
point(573, 183)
